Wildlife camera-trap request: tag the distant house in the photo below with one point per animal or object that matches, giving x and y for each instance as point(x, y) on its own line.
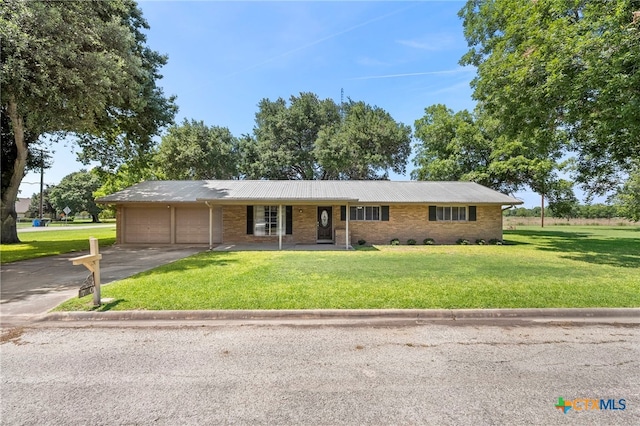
point(22, 206)
point(306, 212)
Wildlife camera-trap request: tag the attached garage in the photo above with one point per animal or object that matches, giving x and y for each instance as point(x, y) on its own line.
point(147, 225)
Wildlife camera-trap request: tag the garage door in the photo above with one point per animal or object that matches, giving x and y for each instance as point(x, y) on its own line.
point(192, 225)
point(147, 225)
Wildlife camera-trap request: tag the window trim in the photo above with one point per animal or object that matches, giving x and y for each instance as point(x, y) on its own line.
point(253, 221)
point(441, 213)
point(363, 208)
point(265, 218)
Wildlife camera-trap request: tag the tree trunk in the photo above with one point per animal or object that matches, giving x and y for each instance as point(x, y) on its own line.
point(8, 214)
point(95, 218)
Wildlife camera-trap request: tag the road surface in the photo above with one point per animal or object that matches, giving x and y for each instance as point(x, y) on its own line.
point(320, 375)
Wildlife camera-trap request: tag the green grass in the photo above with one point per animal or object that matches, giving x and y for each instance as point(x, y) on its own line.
point(47, 243)
point(60, 223)
point(540, 268)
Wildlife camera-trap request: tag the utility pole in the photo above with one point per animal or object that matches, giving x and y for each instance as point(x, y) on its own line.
point(41, 183)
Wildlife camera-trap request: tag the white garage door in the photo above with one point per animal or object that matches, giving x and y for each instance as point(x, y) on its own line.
point(147, 225)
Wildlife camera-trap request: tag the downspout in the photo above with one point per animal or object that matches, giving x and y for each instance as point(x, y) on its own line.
point(210, 225)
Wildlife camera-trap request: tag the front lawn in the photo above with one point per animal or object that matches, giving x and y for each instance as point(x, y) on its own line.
point(539, 268)
point(48, 243)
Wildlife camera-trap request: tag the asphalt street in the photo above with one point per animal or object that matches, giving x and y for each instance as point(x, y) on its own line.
point(275, 374)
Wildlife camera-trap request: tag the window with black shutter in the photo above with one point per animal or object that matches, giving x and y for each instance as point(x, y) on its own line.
point(384, 216)
point(249, 220)
point(433, 214)
point(289, 220)
point(472, 213)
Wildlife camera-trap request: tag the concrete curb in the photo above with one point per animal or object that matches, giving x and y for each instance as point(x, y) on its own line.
point(600, 314)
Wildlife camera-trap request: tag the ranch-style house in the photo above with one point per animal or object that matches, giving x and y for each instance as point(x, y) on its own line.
point(231, 212)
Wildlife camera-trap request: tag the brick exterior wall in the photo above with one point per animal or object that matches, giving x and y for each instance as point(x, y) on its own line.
point(405, 222)
point(412, 222)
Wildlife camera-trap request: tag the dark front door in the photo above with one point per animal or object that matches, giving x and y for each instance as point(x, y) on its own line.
point(325, 233)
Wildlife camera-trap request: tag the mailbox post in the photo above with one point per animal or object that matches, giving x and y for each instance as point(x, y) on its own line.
point(92, 262)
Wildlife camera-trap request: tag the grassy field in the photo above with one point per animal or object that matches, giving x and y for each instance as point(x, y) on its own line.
point(539, 268)
point(511, 222)
point(47, 243)
point(25, 225)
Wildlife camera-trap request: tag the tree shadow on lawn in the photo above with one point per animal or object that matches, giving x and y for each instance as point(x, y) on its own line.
point(196, 261)
point(585, 247)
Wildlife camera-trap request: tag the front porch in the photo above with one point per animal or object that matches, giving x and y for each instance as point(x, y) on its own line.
point(285, 246)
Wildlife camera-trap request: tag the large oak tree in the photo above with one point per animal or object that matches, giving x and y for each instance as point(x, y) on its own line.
point(76, 191)
point(559, 71)
point(472, 147)
point(194, 150)
point(310, 138)
point(81, 70)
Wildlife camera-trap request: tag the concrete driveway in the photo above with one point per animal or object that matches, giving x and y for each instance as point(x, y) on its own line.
point(33, 287)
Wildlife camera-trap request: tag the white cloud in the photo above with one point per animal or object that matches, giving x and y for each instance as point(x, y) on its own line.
point(431, 42)
point(458, 70)
point(370, 62)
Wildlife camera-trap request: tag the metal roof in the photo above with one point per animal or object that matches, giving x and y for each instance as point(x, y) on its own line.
point(297, 191)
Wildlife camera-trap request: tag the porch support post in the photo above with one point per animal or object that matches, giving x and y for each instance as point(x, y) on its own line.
point(173, 224)
point(280, 227)
point(210, 224)
point(346, 237)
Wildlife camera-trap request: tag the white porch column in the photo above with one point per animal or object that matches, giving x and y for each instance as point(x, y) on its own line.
point(280, 227)
point(210, 224)
point(173, 224)
point(346, 237)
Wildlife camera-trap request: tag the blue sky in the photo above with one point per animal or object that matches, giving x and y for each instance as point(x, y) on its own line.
point(224, 57)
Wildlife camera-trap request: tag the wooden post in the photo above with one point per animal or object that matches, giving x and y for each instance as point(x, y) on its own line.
point(93, 250)
point(92, 262)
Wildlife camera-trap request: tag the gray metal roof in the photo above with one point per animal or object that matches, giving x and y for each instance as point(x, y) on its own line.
point(297, 191)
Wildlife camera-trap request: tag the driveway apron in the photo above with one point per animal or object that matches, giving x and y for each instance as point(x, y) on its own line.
point(33, 287)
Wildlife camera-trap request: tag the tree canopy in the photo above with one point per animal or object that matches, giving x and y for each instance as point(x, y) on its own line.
point(628, 197)
point(194, 151)
point(366, 144)
point(561, 73)
point(318, 139)
point(79, 69)
point(285, 137)
point(76, 192)
point(471, 146)
point(34, 205)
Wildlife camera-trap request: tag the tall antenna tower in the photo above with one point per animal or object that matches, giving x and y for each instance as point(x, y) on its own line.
point(342, 102)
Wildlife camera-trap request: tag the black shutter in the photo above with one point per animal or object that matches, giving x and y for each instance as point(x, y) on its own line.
point(432, 214)
point(384, 213)
point(249, 220)
point(288, 220)
point(343, 213)
point(472, 213)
